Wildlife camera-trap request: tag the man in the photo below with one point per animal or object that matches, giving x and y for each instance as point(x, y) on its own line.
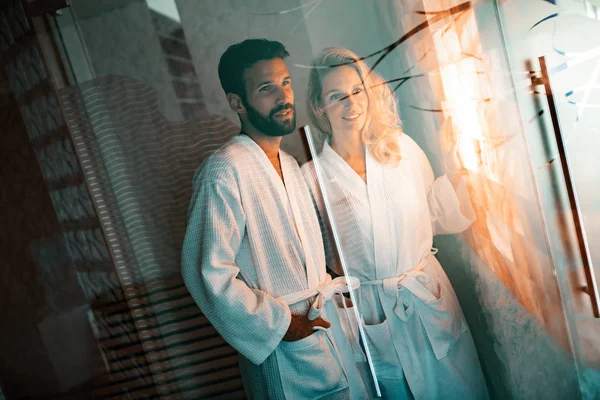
point(253, 250)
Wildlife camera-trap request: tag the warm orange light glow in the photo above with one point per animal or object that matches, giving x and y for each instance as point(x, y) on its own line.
point(503, 234)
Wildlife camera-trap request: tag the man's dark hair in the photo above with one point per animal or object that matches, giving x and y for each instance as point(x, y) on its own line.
point(241, 56)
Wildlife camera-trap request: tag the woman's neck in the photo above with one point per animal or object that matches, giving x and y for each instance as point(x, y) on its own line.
point(351, 148)
point(352, 151)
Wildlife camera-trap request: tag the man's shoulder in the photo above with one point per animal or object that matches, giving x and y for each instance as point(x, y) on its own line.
point(222, 164)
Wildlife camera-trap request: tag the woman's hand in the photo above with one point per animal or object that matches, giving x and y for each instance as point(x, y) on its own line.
point(453, 163)
point(301, 327)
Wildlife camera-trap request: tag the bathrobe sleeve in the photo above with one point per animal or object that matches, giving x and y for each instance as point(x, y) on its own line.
point(249, 319)
point(450, 208)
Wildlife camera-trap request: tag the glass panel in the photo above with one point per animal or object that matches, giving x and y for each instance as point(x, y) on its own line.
point(147, 109)
point(565, 33)
point(447, 66)
point(427, 120)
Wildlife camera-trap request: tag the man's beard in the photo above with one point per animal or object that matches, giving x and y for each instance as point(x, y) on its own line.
point(269, 125)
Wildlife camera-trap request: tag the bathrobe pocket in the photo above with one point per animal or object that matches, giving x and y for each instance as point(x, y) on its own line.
point(440, 313)
point(385, 360)
point(349, 324)
point(310, 368)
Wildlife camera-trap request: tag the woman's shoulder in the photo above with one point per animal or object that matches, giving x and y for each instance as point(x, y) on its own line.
point(404, 139)
point(409, 146)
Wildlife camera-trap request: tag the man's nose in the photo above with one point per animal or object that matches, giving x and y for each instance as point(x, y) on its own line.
point(285, 94)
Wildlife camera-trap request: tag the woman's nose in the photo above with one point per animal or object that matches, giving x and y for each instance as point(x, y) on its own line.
point(349, 100)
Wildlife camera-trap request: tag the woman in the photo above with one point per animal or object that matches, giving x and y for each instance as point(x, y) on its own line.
point(386, 207)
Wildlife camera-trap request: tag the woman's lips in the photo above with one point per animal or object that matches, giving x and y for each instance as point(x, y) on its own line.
point(352, 117)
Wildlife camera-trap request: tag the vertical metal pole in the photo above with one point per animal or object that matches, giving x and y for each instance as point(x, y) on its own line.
point(592, 288)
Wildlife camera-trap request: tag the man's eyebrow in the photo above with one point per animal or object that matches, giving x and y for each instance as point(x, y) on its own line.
point(332, 90)
point(287, 77)
point(263, 83)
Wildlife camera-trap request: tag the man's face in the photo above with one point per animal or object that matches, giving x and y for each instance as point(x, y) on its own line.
point(269, 99)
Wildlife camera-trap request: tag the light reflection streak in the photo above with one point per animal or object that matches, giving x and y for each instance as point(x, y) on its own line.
point(588, 91)
point(287, 11)
point(306, 15)
point(455, 11)
point(575, 59)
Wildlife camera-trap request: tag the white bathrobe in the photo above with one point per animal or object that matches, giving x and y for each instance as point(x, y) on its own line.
point(414, 325)
point(250, 240)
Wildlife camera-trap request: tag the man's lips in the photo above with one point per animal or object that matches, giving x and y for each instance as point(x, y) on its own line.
point(284, 113)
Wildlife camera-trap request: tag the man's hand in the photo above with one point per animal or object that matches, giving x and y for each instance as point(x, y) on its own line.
point(301, 327)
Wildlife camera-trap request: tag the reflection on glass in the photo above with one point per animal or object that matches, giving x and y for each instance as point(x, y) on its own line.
point(565, 33)
point(468, 96)
point(386, 207)
point(139, 105)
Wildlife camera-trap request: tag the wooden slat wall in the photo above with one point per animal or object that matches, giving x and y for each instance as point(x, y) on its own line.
point(194, 360)
point(140, 167)
point(121, 191)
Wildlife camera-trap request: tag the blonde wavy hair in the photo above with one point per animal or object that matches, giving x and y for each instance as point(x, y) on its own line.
point(382, 126)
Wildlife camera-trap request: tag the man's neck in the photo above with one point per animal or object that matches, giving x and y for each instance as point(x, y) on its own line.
point(269, 144)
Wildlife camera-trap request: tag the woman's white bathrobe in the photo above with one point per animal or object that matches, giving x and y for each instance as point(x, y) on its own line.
point(250, 240)
point(415, 327)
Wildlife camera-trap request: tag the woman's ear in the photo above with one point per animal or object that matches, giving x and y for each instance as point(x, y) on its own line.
point(321, 111)
point(236, 103)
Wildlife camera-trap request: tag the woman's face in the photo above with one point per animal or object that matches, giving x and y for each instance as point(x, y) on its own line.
point(345, 101)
